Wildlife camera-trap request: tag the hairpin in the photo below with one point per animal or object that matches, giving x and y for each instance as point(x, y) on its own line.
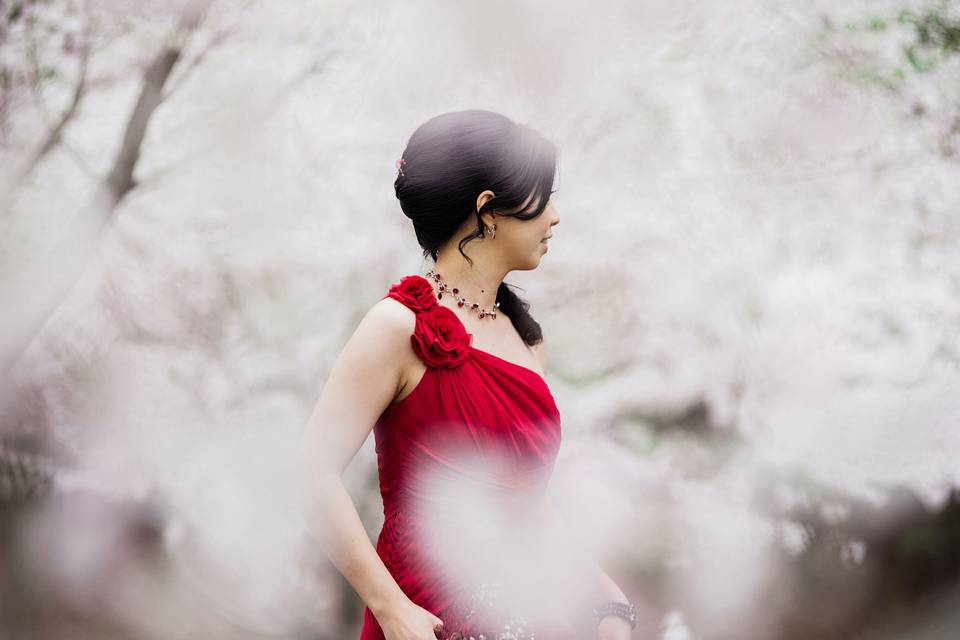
point(400, 162)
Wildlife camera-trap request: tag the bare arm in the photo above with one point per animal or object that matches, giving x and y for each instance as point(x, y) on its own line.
point(607, 586)
point(364, 380)
point(609, 627)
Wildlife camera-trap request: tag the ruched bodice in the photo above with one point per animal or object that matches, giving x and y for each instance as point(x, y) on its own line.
point(470, 449)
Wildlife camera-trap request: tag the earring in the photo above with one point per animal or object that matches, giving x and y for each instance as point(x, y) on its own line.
point(493, 232)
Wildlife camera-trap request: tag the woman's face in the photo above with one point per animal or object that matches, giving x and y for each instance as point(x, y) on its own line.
point(521, 243)
point(526, 240)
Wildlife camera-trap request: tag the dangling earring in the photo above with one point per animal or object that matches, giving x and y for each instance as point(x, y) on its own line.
point(493, 232)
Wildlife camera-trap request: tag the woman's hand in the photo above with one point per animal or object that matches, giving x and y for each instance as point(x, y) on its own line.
point(613, 628)
point(408, 621)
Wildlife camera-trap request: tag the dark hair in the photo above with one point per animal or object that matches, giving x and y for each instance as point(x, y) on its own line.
point(451, 159)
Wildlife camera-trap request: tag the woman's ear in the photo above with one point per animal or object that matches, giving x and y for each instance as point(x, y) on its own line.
point(484, 198)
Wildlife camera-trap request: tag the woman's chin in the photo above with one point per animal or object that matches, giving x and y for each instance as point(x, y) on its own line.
point(543, 249)
point(539, 257)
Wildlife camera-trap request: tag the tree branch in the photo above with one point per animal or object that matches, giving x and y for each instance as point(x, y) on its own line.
point(54, 280)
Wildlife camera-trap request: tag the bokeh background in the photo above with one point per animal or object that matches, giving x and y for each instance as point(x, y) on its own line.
point(751, 304)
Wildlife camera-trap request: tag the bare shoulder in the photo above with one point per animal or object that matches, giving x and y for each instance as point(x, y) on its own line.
point(378, 355)
point(392, 322)
point(392, 314)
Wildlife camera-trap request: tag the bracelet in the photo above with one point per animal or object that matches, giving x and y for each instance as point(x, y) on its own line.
point(620, 609)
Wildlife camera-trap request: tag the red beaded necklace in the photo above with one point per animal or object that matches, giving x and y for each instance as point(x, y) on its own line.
point(461, 302)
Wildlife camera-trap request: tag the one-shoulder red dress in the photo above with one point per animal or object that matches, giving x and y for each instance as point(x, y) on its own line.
point(463, 461)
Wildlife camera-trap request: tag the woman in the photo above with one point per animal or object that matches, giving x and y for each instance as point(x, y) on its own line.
point(448, 369)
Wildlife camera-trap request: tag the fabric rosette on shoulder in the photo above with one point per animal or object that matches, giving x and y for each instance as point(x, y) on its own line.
point(415, 292)
point(439, 338)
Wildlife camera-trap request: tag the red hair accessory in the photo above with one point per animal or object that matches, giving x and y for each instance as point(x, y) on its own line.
point(400, 162)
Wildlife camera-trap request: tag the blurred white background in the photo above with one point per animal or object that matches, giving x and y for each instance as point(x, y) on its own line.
point(751, 303)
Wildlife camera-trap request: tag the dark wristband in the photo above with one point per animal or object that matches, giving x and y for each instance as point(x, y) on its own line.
point(620, 609)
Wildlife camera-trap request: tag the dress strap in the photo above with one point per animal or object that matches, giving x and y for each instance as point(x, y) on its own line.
point(415, 292)
point(439, 338)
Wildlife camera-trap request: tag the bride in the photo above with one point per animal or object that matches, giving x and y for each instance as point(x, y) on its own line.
point(448, 370)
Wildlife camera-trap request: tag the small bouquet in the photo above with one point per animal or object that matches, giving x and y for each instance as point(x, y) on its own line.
point(485, 621)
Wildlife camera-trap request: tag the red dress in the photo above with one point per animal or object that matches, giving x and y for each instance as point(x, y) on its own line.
point(463, 462)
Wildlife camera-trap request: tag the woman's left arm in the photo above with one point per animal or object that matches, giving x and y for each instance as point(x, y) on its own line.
point(610, 627)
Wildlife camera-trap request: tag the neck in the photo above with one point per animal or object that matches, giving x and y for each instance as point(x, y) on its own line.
point(477, 283)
